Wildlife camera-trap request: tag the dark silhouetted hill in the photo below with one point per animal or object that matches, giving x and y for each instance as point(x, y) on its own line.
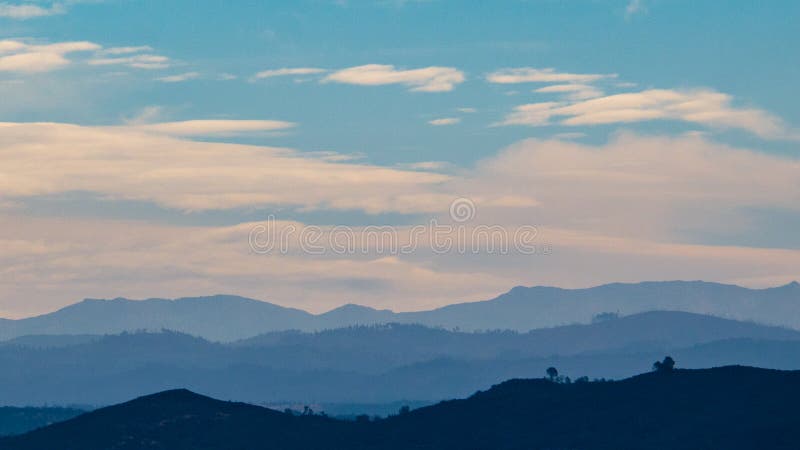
point(229, 318)
point(732, 408)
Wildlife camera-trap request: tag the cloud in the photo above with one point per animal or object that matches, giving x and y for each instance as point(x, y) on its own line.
point(212, 127)
point(288, 71)
point(144, 61)
point(644, 187)
point(573, 91)
point(23, 57)
point(426, 165)
point(179, 77)
point(29, 11)
point(565, 136)
point(467, 110)
point(615, 211)
point(427, 79)
point(444, 121)
point(148, 163)
point(635, 7)
point(548, 75)
point(126, 50)
point(700, 106)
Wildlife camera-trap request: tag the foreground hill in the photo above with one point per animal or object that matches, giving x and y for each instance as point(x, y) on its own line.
point(372, 364)
point(520, 309)
point(730, 407)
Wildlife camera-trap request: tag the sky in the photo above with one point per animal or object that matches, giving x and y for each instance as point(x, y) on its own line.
point(269, 149)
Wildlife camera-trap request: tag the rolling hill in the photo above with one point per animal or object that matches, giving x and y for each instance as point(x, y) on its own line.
point(729, 407)
point(371, 364)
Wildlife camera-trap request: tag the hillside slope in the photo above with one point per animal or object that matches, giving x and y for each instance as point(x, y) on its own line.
point(730, 407)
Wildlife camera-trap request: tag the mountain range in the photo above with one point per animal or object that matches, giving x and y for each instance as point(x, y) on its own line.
point(728, 407)
point(229, 318)
point(371, 364)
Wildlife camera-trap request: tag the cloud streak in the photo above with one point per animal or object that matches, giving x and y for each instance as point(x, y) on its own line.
point(143, 61)
point(150, 163)
point(212, 127)
point(427, 79)
point(286, 71)
point(23, 57)
point(699, 106)
point(29, 11)
point(178, 78)
point(444, 121)
point(547, 75)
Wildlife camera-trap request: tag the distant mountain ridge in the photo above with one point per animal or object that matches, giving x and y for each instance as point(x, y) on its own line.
point(732, 408)
point(228, 318)
point(371, 364)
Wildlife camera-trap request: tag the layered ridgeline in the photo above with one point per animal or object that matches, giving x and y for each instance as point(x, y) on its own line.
point(371, 364)
point(228, 318)
point(724, 408)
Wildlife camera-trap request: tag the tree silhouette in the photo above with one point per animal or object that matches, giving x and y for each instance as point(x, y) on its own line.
point(664, 366)
point(552, 373)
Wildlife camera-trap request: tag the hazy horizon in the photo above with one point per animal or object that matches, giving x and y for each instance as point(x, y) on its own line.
point(393, 154)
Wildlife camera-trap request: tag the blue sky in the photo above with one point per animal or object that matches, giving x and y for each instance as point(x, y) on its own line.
point(386, 110)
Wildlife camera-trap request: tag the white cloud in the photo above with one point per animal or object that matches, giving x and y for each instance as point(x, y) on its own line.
point(467, 110)
point(547, 75)
point(145, 61)
point(126, 50)
point(24, 57)
point(179, 77)
point(288, 71)
point(427, 79)
point(29, 11)
point(147, 163)
point(213, 127)
point(701, 106)
point(444, 121)
point(572, 91)
point(32, 62)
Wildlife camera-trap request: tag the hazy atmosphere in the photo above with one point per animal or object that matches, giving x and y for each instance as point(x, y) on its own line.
point(395, 224)
point(141, 142)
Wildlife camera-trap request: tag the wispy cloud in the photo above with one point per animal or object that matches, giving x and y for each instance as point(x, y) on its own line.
point(156, 163)
point(700, 106)
point(427, 79)
point(213, 127)
point(26, 11)
point(126, 50)
point(179, 77)
point(572, 91)
point(547, 75)
point(635, 7)
point(444, 121)
point(145, 61)
point(24, 57)
point(288, 71)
